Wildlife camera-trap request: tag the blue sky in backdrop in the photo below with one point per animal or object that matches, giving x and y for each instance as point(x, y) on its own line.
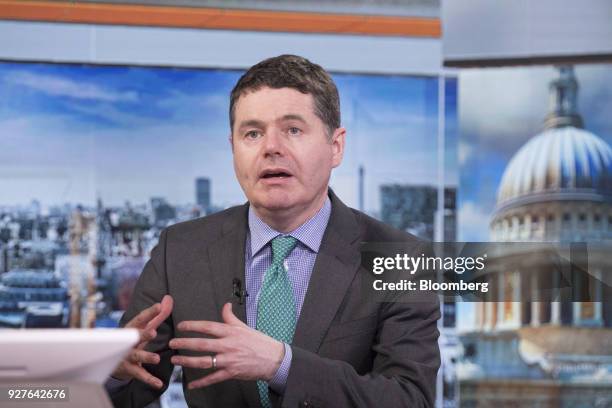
point(72, 133)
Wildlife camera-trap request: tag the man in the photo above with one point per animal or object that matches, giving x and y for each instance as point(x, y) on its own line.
point(264, 304)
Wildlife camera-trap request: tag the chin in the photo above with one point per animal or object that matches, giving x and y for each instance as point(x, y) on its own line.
point(274, 204)
point(273, 200)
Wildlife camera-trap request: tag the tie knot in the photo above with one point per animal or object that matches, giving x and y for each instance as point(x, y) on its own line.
point(281, 247)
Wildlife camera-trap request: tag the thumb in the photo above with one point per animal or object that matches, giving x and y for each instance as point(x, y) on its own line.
point(229, 317)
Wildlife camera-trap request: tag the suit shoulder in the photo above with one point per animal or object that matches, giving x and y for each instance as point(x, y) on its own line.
point(209, 227)
point(374, 230)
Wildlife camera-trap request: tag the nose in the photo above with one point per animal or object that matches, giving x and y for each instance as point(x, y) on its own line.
point(274, 143)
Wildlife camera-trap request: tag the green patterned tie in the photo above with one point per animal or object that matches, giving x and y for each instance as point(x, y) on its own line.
point(276, 306)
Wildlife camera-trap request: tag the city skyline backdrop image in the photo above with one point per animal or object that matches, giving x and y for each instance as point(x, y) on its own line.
point(96, 160)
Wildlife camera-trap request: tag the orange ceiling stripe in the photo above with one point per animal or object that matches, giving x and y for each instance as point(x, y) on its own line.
point(215, 18)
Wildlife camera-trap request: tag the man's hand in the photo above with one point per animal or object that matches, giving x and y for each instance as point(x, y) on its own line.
point(241, 352)
point(147, 323)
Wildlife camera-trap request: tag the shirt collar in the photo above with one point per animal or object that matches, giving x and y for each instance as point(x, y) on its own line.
point(309, 233)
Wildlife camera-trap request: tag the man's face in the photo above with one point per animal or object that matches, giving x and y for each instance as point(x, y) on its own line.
point(282, 154)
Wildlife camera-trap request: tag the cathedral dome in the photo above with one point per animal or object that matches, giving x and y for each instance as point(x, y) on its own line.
point(564, 161)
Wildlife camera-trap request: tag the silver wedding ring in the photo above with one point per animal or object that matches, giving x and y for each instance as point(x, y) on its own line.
point(214, 362)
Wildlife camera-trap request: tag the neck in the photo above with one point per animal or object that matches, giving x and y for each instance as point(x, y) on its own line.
point(287, 220)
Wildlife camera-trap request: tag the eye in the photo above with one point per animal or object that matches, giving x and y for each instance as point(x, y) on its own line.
point(252, 134)
point(294, 131)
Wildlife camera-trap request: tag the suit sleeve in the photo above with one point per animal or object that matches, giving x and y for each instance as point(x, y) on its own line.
point(150, 288)
point(404, 369)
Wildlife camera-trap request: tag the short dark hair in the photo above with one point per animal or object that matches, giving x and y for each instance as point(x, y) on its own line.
point(292, 71)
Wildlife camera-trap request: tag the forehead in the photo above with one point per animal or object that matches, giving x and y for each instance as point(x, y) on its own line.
point(270, 104)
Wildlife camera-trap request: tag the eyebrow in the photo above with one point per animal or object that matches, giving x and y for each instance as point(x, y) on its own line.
point(251, 123)
point(260, 124)
point(293, 116)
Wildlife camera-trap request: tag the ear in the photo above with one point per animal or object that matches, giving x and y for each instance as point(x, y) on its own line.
point(337, 142)
point(230, 138)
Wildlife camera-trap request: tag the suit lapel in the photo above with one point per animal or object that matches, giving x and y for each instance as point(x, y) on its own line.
point(337, 262)
point(226, 257)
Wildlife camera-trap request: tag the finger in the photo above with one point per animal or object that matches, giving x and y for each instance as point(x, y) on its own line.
point(203, 345)
point(229, 317)
point(204, 326)
point(145, 337)
point(144, 316)
point(165, 310)
point(142, 356)
point(143, 375)
point(194, 362)
point(216, 377)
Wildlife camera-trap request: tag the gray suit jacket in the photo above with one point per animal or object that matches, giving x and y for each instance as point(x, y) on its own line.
point(349, 350)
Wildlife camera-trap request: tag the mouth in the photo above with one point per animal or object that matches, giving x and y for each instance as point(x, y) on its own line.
point(275, 174)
